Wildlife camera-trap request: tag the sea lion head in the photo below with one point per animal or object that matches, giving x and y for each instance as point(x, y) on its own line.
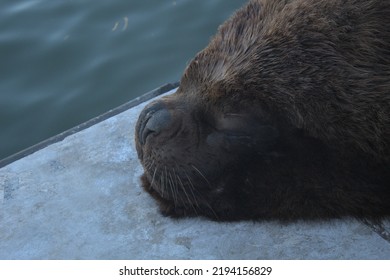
point(192, 142)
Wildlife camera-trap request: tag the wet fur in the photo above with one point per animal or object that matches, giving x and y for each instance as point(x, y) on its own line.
point(284, 115)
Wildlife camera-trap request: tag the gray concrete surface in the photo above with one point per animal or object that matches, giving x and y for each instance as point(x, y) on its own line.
point(80, 198)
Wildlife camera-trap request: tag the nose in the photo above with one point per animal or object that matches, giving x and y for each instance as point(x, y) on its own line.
point(154, 119)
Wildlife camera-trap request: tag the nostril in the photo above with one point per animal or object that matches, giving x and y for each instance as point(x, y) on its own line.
point(155, 122)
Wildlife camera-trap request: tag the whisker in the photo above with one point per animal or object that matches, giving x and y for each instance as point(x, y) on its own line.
point(154, 174)
point(177, 186)
point(172, 188)
point(212, 210)
point(201, 174)
point(207, 204)
point(188, 198)
point(163, 181)
point(191, 188)
point(148, 165)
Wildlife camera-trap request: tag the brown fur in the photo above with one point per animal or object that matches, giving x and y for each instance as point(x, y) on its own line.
point(284, 115)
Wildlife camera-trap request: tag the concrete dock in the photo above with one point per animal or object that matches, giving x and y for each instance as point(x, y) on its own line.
point(78, 196)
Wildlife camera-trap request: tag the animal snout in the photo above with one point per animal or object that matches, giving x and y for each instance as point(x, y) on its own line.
point(153, 120)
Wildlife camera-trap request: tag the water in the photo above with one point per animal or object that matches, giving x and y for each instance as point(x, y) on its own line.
point(64, 62)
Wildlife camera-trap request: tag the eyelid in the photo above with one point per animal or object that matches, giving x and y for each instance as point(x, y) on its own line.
point(233, 122)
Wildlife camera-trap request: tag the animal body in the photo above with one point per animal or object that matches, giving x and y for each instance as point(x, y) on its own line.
point(284, 115)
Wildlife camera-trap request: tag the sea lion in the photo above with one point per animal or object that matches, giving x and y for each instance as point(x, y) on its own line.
point(284, 115)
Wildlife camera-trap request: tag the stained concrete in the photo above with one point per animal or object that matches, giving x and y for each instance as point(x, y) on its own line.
point(79, 197)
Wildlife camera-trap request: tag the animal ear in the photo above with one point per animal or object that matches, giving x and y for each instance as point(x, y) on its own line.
point(240, 132)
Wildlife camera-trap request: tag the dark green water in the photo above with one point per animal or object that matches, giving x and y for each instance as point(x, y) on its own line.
point(64, 62)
